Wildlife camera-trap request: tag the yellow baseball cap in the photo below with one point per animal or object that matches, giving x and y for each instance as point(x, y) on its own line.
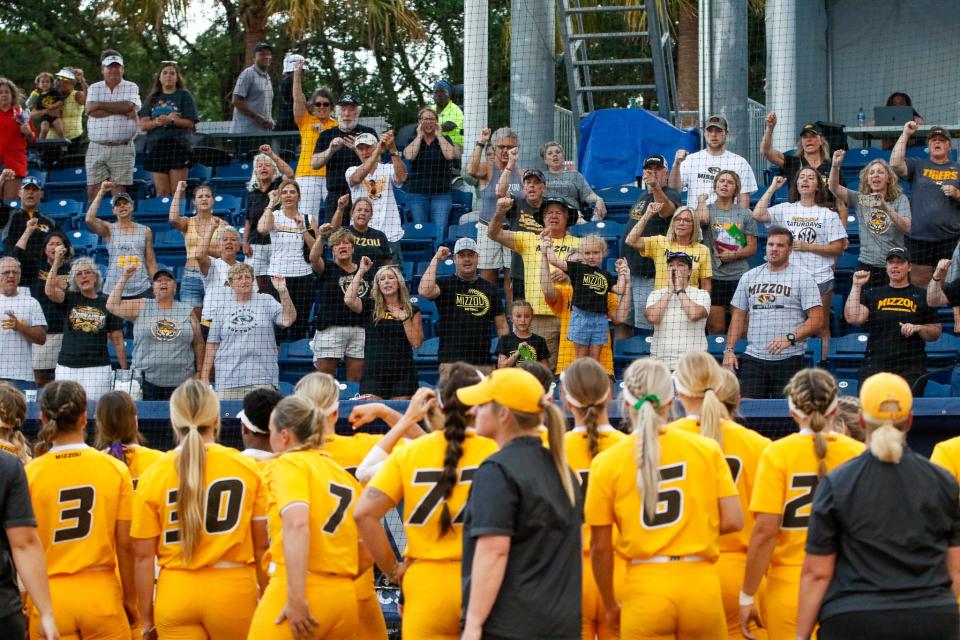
point(512, 388)
point(886, 396)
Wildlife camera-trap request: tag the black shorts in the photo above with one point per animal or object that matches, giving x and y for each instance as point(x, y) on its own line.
point(388, 382)
point(942, 623)
point(721, 292)
point(167, 154)
point(930, 252)
point(765, 379)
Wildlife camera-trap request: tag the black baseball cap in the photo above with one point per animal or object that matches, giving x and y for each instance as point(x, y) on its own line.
point(655, 159)
point(261, 46)
point(717, 122)
point(572, 212)
point(899, 252)
point(938, 131)
point(348, 99)
point(810, 128)
point(534, 173)
point(679, 255)
point(164, 271)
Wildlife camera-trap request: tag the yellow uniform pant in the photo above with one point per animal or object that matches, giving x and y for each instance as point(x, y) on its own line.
point(332, 601)
point(86, 605)
point(594, 622)
point(431, 600)
point(205, 604)
point(730, 566)
point(672, 600)
point(371, 623)
point(779, 609)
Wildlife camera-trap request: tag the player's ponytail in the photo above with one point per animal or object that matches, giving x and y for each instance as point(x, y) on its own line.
point(303, 419)
point(116, 418)
point(812, 398)
point(585, 388)
point(886, 442)
point(456, 419)
point(698, 376)
point(13, 412)
point(322, 392)
point(194, 412)
point(63, 408)
point(647, 392)
point(556, 424)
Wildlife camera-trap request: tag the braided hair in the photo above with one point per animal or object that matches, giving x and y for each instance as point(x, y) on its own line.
point(63, 404)
point(586, 387)
point(813, 393)
point(13, 412)
point(456, 419)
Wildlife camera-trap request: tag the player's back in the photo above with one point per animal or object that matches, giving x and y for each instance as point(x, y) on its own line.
point(947, 454)
point(138, 459)
point(349, 451)
point(577, 447)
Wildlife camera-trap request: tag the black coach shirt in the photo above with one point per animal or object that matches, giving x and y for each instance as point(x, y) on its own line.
point(15, 511)
point(467, 309)
point(257, 201)
point(890, 526)
point(30, 259)
point(887, 348)
point(516, 493)
point(332, 311)
point(342, 159)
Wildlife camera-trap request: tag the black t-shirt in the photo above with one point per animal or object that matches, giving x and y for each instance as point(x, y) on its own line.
point(52, 311)
point(793, 164)
point(521, 218)
point(371, 243)
point(640, 266)
point(509, 344)
point(516, 492)
point(429, 171)
point(386, 343)
point(466, 310)
point(15, 511)
point(887, 348)
point(590, 286)
point(343, 159)
point(31, 258)
point(86, 325)
point(285, 121)
point(331, 310)
point(162, 104)
point(890, 526)
point(256, 202)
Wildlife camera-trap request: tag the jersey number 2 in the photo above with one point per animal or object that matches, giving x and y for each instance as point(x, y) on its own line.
point(76, 504)
point(792, 519)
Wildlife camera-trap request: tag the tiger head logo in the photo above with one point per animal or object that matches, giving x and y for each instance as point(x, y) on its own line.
point(766, 298)
point(166, 330)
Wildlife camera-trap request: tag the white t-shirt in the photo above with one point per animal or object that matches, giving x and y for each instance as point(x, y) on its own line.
point(287, 247)
point(17, 354)
point(699, 169)
point(676, 334)
point(378, 186)
point(118, 127)
point(814, 225)
point(216, 291)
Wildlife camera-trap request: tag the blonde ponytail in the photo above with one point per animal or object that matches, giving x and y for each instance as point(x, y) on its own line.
point(556, 428)
point(699, 376)
point(648, 390)
point(886, 442)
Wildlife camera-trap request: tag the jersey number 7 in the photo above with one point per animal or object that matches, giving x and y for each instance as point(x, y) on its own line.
point(431, 500)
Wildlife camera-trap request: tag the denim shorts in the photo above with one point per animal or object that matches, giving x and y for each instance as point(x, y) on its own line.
point(588, 327)
point(191, 287)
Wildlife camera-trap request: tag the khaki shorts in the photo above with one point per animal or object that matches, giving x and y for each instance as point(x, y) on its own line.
point(239, 393)
point(493, 255)
point(337, 342)
point(548, 328)
point(45, 355)
point(110, 162)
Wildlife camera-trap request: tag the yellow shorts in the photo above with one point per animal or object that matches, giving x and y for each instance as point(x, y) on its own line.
point(431, 600)
point(86, 605)
point(672, 600)
point(332, 601)
point(594, 619)
point(780, 605)
point(205, 603)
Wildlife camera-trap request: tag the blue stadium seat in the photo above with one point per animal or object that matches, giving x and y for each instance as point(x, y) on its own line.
point(427, 360)
point(232, 179)
point(943, 351)
point(295, 359)
point(419, 240)
point(61, 210)
point(846, 354)
point(445, 268)
point(142, 185)
point(622, 197)
point(226, 205)
point(428, 315)
point(113, 352)
point(626, 351)
point(607, 229)
point(848, 386)
point(847, 262)
point(154, 208)
point(859, 158)
point(67, 183)
point(285, 388)
point(199, 174)
point(466, 230)
point(936, 390)
point(168, 241)
point(84, 242)
point(716, 345)
point(349, 390)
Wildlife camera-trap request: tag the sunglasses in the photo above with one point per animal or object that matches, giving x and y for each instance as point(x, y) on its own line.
point(322, 104)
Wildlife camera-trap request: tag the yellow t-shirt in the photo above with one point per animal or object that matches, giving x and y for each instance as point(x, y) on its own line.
point(562, 308)
point(310, 130)
point(138, 458)
point(656, 247)
point(235, 496)
point(577, 447)
point(78, 496)
point(785, 485)
point(313, 478)
point(72, 116)
point(694, 476)
point(349, 451)
point(742, 448)
point(947, 455)
point(412, 473)
point(452, 113)
point(527, 245)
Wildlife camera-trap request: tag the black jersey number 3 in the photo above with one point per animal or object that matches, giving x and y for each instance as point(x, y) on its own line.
point(76, 507)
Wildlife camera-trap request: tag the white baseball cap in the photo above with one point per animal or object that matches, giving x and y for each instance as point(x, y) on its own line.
point(111, 59)
point(465, 244)
point(67, 73)
point(289, 63)
point(366, 138)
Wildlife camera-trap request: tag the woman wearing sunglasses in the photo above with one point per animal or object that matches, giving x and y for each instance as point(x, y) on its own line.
point(311, 118)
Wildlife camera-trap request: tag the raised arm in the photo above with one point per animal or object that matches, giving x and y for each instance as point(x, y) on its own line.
point(94, 223)
point(546, 245)
point(503, 184)
point(289, 313)
point(898, 156)
point(428, 283)
point(703, 211)
point(126, 309)
point(762, 211)
point(675, 182)
point(449, 150)
point(389, 143)
point(351, 297)
point(775, 156)
point(282, 165)
point(203, 249)
point(838, 190)
point(265, 224)
point(635, 237)
point(935, 294)
point(626, 304)
point(52, 288)
point(176, 221)
point(299, 100)
point(546, 278)
point(495, 230)
point(477, 165)
point(365, 169)
point(412, 150)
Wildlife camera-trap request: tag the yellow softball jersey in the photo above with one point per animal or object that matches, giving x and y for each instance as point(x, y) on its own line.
point(694, 476)
point(78, 496)
point(6, 446)
point(947, 455)
point(785, 483)
point(349, 451)
point(412, 474)
point(577, 447)
point(314, 479)
point(138, 458)
point(741, 448)
point(235, 494)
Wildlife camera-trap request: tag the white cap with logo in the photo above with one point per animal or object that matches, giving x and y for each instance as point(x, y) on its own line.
point(111, 59)
point(465, 244)
point(366, 138)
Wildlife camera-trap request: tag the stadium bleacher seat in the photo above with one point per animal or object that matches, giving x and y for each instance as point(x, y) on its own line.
point(606, 229)
point(142, 185)
point(68, 184)
point(111, 350)
point(846, 353)
point(428, 314)
point(285, 388)
point(226, 205)
point(626, 351)
point(61, 211)
point(420, 240)
point(937, 390)
point(943, 351)
point(84, 242)
point(465, 230)
point(349, 390)
point(848, 386)
point(462, 203)
point(199, 174)
point(295, 360)
point(426, 358)
point(156, 207)
point(232, 179)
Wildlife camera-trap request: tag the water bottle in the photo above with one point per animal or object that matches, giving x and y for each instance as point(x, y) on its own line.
point(861, 118)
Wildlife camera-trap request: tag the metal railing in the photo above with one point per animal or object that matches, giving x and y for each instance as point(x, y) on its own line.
point(757, 114)
point(564, 132)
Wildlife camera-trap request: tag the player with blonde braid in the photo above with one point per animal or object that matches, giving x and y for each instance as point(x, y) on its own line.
point(13, 413)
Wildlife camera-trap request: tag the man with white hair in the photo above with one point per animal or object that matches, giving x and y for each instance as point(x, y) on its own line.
point(22, 324)
point(336, 150)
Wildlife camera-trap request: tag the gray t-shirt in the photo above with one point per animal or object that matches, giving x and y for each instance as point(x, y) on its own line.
point(878, 234)
point(163, 343)
point(570, 184)
point(777, 303)
point(728, 230)
point(248, 350)
point(255, 88)
point(124, 249)
point(935, 216)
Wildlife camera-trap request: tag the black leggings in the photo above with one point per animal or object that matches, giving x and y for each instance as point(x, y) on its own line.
point(942, 623)
point(301, 293)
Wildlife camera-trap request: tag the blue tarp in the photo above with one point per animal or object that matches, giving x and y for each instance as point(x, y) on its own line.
point(614, 142)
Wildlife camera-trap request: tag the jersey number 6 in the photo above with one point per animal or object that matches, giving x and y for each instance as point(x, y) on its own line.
point(669, 501)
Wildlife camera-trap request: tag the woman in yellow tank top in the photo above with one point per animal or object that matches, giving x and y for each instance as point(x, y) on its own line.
point(194, 229)
point(13, 412)
point(118, 433)
point(312, 119)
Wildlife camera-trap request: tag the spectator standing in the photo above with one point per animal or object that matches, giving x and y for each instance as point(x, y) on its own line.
point(883, 212)
point(448, 113)
point(376, 181)
point(336, 150)
point(730, 233)
point(169, 116)
point(23, 324)
point(467, 305)
point(269, 170)
point(215, 269)
point(781, 306)
point(368, 241)
point(292, 236)
point(812, 150)
point(569, 183)
point(253, 94)
point(167, 345)
point(46, 106)
point(112, 125)
point(16, 131)
point(683, 236)
point(73, 100)
point(26, 219)
point(678, 314)
point(393, 331)
point(431, 154)
point(934, 200)
point(128, 243)
point(643, 270)
point(87, 325)
point(898, 320)
point(241, 343)
point(311, 119)
point(285, 98)
point(522, 217)
point(695, 173)
point(521, 344)
point(194, 229)
point(340, 334)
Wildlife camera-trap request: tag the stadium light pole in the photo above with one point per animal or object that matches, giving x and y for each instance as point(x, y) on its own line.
point(723, 68)
point(532, 75)
point(475, 71)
